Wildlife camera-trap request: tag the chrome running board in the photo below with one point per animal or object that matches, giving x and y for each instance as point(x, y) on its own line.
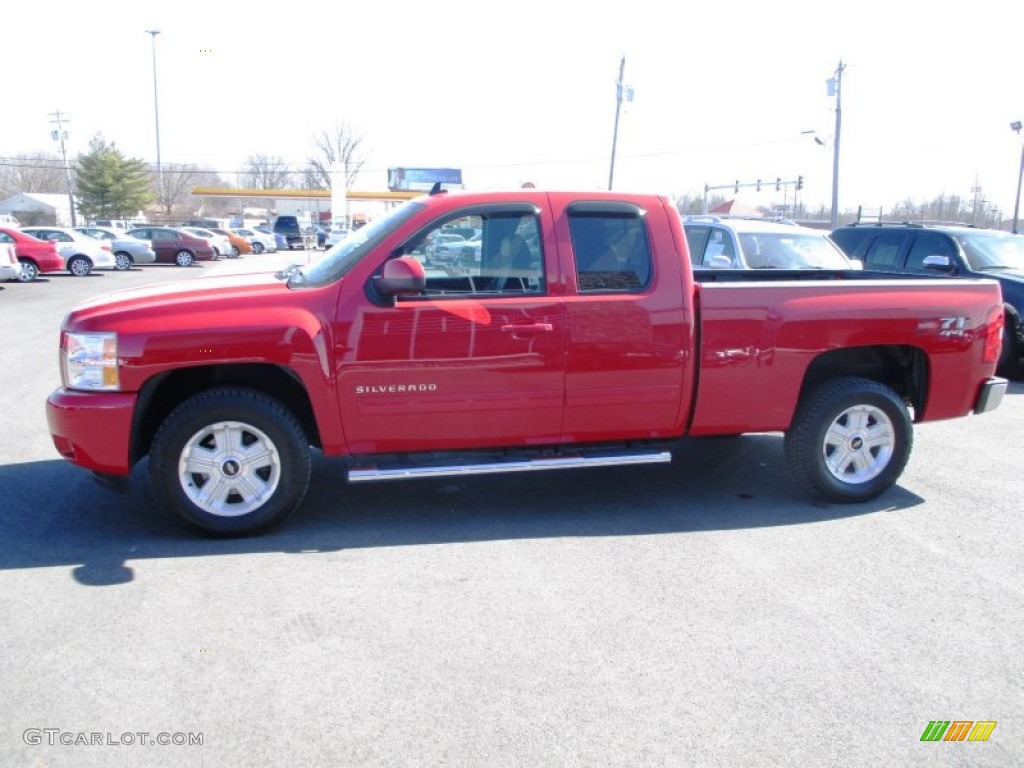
point(398, 471)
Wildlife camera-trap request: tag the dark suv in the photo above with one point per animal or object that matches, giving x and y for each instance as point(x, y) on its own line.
point(298, 234)
point(953, 251)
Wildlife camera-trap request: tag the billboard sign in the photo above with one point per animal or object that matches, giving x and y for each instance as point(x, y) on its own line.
point(422, 179)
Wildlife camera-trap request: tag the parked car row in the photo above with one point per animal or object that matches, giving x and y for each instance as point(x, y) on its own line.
point(80, 250)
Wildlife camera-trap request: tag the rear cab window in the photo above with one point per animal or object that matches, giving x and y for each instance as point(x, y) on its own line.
point(611, 246)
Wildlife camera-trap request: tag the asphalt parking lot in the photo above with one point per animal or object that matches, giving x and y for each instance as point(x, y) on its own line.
point(701, 613)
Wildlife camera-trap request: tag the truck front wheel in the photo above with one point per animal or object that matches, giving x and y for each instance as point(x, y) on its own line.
point(850, 440)
point(230, 462)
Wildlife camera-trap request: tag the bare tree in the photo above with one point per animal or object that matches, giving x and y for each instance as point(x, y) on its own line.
point(178, 180)
point(266, 172)
point(342, 146)
point(33, 173)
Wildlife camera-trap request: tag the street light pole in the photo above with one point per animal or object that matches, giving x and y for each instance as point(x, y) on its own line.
point(836, 87)
point(156, 114)
point(1016, 126)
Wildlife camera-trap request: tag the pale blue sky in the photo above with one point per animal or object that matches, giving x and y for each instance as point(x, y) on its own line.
point(525, 91)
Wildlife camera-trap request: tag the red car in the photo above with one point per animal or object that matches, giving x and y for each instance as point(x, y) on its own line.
point(173, 246)
point(35, 256)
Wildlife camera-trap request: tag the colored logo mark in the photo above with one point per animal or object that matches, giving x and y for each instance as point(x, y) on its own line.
point(958, 730)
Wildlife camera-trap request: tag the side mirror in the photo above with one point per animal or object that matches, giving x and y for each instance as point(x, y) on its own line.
point(938, 263)
point(401, 277)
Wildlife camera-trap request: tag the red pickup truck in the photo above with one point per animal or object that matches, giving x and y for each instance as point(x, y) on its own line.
point(572, 334)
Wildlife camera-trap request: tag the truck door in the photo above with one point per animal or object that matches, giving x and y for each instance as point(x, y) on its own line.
point(477, 360)
point(628, 333)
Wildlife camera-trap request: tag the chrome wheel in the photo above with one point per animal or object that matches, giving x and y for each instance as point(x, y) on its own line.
point(122, 261)
point(257, 247)
point(229, 468)
point(859, 444)
point(183, 258)
point(29, 271)
point(230, 461)
point(79, 266)
point(850, 439)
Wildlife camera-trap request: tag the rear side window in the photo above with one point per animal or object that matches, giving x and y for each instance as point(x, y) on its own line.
point(850, 239)
point(612, 251)
point(884, 251)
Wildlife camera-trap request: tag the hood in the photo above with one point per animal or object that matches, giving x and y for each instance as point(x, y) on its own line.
point(192, 302)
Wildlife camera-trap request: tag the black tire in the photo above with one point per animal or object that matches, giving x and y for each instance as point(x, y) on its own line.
point(79, 266)
point(257, 247)
point(123, 261)
point(184, 258)
point(235, 253)
point(850, 440)
point(1009, 357)
point(240, 494)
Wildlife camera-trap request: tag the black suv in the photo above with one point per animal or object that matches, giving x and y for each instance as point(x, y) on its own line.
point(948, 250)
point(297, 234)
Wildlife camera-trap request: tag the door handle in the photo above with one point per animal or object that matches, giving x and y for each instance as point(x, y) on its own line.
point(534, 328)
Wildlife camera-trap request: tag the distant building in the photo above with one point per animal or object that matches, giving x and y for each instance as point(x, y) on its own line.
point(37, 208)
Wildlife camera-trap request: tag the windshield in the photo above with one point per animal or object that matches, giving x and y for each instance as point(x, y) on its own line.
point(993, 251)
point(791, 250)
point(341, 257)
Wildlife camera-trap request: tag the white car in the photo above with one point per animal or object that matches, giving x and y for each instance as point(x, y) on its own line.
point(219, 243)
point(128, 251)
point(81, 253)
point(335, 236)
point(10, 269)
point(457, 253)
point(261, 242)
point(737, 242)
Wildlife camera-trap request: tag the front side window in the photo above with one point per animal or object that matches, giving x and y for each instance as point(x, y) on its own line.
point(612, 251)
point(929, 244)
point(495, 252)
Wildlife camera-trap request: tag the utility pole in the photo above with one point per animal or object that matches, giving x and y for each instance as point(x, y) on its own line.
point(60, 134)
point(619, 88)
point(835, 88)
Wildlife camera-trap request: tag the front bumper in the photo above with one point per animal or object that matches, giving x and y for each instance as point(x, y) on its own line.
point(990, 395)
point(92, 429)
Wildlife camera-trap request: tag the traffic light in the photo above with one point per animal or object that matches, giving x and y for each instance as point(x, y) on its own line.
point(799, 182)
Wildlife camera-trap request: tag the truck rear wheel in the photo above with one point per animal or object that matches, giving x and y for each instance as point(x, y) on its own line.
point(230, 462)
point(850, 440)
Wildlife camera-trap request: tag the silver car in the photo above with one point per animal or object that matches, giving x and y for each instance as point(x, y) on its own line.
point(260, 241)
point(127, 250)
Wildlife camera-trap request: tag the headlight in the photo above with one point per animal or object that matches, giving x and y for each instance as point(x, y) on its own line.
point(89, 361)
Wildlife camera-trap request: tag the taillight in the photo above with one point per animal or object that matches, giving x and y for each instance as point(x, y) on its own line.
point(993, 336)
